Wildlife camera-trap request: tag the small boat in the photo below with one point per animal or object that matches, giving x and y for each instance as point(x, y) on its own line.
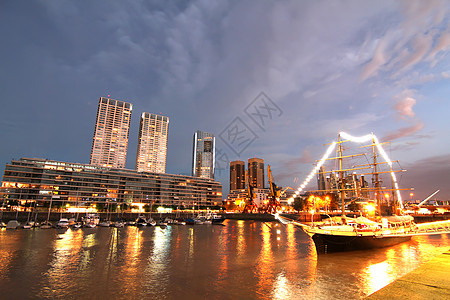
point(168, 221)
point(151, 222)
point(190, 221)
point(63, 223)
point(162, 224)
point(46, 225)
point(90, 225)
point(217, 219)
point(118, 224)
point(105, 224)
point(131, 223)
point(141, 221)
point(13, 224)
point(76, 225)
point(2, 225)
point(28, 225)
point(179, 222)
point(72, 221)
point(91, 218)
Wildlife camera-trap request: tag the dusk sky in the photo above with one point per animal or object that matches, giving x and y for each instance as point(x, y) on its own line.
point(320, 67)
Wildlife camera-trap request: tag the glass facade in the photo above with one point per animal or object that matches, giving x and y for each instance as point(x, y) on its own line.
point(72, 184)
point(203, 154)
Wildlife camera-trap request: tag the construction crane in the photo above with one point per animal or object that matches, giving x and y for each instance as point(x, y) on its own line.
point(250, 204)
point(274, 194)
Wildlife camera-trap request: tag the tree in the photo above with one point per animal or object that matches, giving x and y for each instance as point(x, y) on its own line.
point(300, 204)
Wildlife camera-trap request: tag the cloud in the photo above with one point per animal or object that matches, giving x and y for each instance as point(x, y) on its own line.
point(420, 46)
point(377, 61)
point(442, 44)
point(404, 132)
point(410, 42)
point(404, 107)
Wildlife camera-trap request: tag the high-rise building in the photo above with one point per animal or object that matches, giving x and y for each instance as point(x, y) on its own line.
point(237, 175)
point(203, 155)
point(256, 172)
point(321, 182)
point(110, 142)
point(152, 143)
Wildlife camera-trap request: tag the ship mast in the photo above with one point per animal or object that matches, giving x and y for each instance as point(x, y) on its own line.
point(375, 172)
point(341, 174)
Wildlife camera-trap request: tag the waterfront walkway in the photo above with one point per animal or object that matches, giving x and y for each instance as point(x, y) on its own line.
point(429, 281)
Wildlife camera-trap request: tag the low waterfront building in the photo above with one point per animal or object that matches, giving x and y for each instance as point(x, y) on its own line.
point(40, 181)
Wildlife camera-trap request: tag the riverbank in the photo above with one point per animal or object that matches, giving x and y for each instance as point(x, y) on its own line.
point(429, 281)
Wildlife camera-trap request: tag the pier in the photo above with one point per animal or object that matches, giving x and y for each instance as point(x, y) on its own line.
point(429, 281)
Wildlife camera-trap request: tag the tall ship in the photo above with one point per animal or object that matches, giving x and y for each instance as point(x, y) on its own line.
point(359, 179)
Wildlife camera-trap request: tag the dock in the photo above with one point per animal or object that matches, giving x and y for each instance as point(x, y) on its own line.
point(429, 281)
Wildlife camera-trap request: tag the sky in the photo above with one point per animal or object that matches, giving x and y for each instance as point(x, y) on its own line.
point(271, 79)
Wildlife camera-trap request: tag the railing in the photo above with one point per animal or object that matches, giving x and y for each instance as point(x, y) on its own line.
point(433, 226)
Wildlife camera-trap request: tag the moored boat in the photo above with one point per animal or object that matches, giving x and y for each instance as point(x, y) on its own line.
point(141, 221)
point(63, 223)
point(105, 224)
point(46, 225)
point(13, 224)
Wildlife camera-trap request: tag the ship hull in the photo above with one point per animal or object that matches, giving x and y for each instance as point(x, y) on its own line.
point(326, 243)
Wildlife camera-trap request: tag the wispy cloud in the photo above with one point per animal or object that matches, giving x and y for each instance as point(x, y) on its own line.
point(404, 131)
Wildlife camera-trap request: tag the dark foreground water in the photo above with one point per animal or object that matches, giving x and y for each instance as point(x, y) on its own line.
point(240, 260)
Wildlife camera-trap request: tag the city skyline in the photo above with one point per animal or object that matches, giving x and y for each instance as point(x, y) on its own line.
point(291, 74)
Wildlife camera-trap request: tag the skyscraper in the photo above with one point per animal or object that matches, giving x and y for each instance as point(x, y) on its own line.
point(256, 172)
point(237, 175)
point(321, 182)
point(110, 142)
point(152, 143)
point(203, 155)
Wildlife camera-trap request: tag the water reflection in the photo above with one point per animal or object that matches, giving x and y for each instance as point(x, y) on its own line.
point(156, 273)
point(66, 254)
point(242, 259)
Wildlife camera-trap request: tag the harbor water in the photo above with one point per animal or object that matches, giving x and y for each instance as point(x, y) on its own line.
point(236, 260)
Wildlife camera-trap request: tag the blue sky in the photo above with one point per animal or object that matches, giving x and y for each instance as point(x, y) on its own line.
point(355, 66)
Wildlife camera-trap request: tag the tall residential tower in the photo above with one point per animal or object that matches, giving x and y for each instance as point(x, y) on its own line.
point(152, 143)
point(110, 142)
point(237, 175)
point(203, 155)
point(256, 172)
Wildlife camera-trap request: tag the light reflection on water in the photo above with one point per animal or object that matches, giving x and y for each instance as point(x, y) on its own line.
point(242, 259)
